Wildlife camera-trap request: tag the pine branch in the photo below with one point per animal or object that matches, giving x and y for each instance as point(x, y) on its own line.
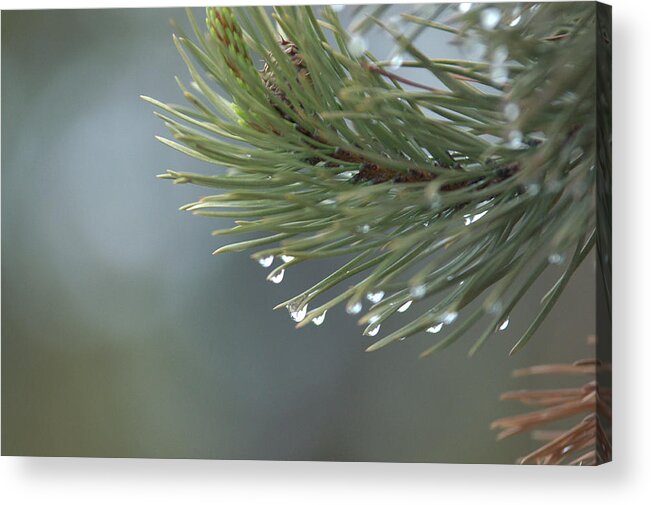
point(587, 442)
point(430, 197)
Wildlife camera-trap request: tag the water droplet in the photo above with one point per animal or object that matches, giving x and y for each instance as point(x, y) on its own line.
point(363, 228)
point(344, 176)
point(357, 45)
point(555, 258)
point(515, 140)
point(434, 329)
point(495, 308)
point(278, 278)
point(318, 320)
point(266, 261)
point(355, 308)
point(511, 111)
point(515, 21)
point(418, 291)
point(402, 339)
point(396, 62)
point(375, 297)
point(533, 188)
point(500, 55)
point(490, 17)
point(405, 306)
point(286, 258)
point(470, 218)
point(328, 201)
point(465, 7)
point(297, 313)
point(504, 324)
point(449, 317)
point(373, 331)
point(499, 74)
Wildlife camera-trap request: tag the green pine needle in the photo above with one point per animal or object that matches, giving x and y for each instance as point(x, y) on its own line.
point(436, 197)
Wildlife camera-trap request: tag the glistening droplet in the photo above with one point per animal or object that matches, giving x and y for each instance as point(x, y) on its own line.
point(511, 111)
point(318, 320)
point(434, 329)
point(297, 313)
point(490, 17)
point(504, 325)
point(396, 62)
point(266, 261)
point(278, 278)
point(355, 308)
point(449, 317)
point(418, 291)
point(465, 7)
point(375, 297)
point(405, 306)
point(286, 258)
point(373, 331)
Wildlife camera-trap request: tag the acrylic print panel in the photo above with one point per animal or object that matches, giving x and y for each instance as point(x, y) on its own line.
point(399, 181)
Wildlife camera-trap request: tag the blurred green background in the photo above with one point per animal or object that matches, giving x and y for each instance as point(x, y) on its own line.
point(123, 337)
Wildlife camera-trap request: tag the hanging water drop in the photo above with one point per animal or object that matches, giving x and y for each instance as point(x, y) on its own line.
point(278, 278)
point(297, 313)
point(449, 317)
point(363, 228)
point(318, 320)
point(499, 74)
point(555, 258)
point(405, 306)
point(396, 62)
point(511, 111)
point(355, 308)
point(515, 140)
point(515, 21)
point(504, 324)
point(266, 261)
point(357, 46)
point(373, 331)
point(375, 296)
point(490, 17)
point(471, 218)
point(533, 188)
point(434, 329)
point(418, 291)
point(500, 54)
point(495, 308)
point(286, 258)
point(465, 7)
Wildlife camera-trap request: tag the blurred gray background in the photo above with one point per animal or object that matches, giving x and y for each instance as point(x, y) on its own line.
point(123, 337)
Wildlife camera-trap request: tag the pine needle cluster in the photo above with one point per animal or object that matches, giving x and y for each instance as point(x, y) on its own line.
point(463, 187)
